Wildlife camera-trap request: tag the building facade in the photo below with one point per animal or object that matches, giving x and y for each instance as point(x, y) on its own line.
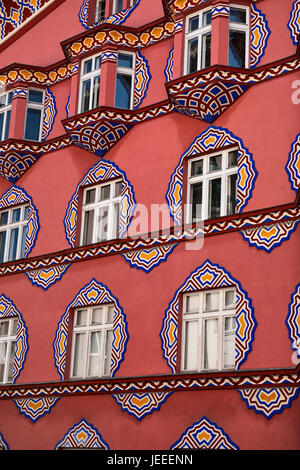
point(149, 248)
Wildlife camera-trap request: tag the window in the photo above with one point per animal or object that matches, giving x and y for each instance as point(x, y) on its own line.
point(212, 185)
point(124, 83)
point(208, 330)
point(92, 341)
point(117, 6)
point(13, 231)
point(34, 112)
point(5, 111)
point(89, 83)
point(133, 2)
point(198, 41)
point(100, 11)
point(238, 37)
point(101, 212)
point(8, 334)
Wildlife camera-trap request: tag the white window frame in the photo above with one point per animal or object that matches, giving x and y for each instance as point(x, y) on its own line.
point(242, 27)
point(12, 225)
point(87, 330)
point(4, 110)
point(99, 9)
point(205, 178)
point(89, 76)
point(133, 2)
point(127, 71)
point(32, 105)
point(97, 206)
point(200, 316)
point(115, 7)
point(201, 31)
point(10, 339)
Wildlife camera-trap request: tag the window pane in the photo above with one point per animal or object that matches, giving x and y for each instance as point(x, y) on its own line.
point(97, 316)
point(206, 18)
point(214, 201)
point(229, 298)
point(103, 224)
point(193, 23)
point(116, 230)
point(2, 245)
point(3, 99)
point(85, 98)
point(87, 67)
point(8, 113)
point(211, 301)
point(108, 349)
point(123, 91)
point(215, 163)
point(26, 213)
point(237, 48)
point(97, 62)
point(238, 15)
point(231, 195)
point(211, 344)
point(3, 218)
point(13, 244)
point(3, 350)
point(94, 354)
point(33, 120)
point(206, 46)
point(229, 343)
point(192, 303)
point(90, 196)
point(118, 189)
point(191, 345)
point(110, 314)
point(197, 168)
point(23, 241)
point(125, 60)
point(233, 158)
point(118, 5)
point(88, 227)
point(96, 87)
point(78, 367)
point(4, 328)
point(11, 361)
point(16, 215)
point(104, 192)
point(196, 200)
point(14, 327)
point(35, 96)
point(193, 55)
point(1, 126)
point(100, 14)
point(10, 95)
point(81, 318)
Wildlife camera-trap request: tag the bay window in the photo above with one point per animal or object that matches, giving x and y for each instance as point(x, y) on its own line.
point(238, 54)
point(198, 41)
point(208, 333)
point(13, 231)
point(101, 212)
point(125, 81)
point(8, 335)
point(89, 83)
point(92, 341)
point(5, 112)
point(212, 185)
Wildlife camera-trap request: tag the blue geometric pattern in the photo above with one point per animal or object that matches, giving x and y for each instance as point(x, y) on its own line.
point(118, 18)
point(148, 259)
point(270, 236)
point(269, 401)
point(169, 67)
point(94, 293)
point(3, 443)
point(48, 276)
point(293, 323)
point(209, 276)
point(204, 434)
point(142, 79)
point(82, 435)
point(260, 33)
point(293, 165)
point(35, 408)
point(49, 114)
point(294, 22)
point(141, 405)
